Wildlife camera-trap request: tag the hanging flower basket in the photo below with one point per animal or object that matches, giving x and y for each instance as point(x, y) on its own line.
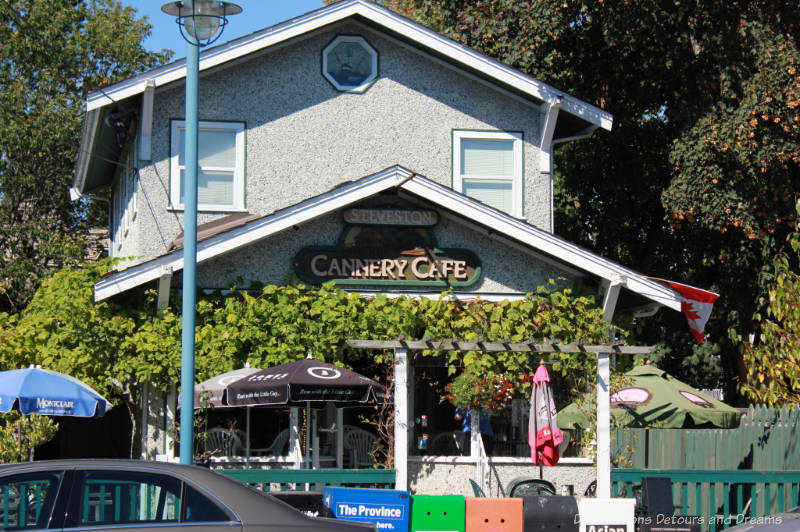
point(491, 393)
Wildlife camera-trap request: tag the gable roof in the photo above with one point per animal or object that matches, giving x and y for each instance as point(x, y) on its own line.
point(400, 179)
point(377, 16)
point(100, 150)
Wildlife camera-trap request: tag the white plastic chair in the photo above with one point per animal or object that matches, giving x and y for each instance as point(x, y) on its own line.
point(278, 443)
point(221, 441)
point(446, 444)
point(360, 445)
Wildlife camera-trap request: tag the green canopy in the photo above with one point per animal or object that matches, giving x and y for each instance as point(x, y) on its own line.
point(653, 398)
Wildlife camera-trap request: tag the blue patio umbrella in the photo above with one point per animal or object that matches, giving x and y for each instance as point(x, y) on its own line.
point(49, 393)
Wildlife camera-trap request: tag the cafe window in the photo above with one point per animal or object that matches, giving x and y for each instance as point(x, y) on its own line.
point(487, 166)
point(439, 432)
point(220, 172)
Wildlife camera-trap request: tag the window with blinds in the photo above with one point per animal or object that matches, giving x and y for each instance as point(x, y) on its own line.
point(487, 166)
point(220, 172)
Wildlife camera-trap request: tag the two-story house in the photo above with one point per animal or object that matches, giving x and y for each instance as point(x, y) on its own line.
point(336, 146)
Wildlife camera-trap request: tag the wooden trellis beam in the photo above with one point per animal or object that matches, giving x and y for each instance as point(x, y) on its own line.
point(454, 344)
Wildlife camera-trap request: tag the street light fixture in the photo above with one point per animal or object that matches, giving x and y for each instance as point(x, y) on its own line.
point(201, 20)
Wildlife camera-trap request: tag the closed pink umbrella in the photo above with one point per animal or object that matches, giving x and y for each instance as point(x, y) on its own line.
point(544, 436)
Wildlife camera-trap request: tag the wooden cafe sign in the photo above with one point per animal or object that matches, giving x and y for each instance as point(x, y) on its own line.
point(388, 246)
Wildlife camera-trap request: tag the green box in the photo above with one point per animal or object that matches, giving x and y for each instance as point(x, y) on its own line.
point(437, 512)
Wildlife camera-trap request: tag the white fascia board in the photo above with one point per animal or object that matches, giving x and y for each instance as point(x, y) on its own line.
point(380, 16)
point(514, 244)
point(88, 133)
point(543, 241)
point(338, 198)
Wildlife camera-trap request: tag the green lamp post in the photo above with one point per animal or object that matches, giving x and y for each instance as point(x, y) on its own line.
point(200, 23)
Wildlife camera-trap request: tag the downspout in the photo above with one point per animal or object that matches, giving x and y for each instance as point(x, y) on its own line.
point(146, 121)
point(164, 286)
point(550, 111)
point(610, 297)
point(585, 134)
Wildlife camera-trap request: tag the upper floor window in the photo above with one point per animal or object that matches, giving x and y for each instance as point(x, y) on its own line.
point(220, 172)
point(125, 198)
point(487, 166)
point(350, 63)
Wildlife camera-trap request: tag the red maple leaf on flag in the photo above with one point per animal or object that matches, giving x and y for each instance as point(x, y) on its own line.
point(696, 305)
point(689, 311)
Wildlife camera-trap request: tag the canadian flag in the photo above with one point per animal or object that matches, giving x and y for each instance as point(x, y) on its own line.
point(696, 305)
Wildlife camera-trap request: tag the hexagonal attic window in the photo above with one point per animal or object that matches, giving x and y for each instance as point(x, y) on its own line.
point(350, 63)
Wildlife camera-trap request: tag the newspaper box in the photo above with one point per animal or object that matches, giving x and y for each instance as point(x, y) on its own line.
point(437, 512)
point(484, 514)
point(386, 509)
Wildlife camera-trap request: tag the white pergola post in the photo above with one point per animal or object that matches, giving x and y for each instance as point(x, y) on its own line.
point(603, 426)
point(339, 438)
point(401, 418)
point(603, 435)
point(475, 444)
point(295, 449)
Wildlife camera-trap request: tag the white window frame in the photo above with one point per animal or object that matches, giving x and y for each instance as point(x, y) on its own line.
point(124, 209)
point(176, 126)
point(516, 178)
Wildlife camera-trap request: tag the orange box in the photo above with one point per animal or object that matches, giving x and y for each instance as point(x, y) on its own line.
point(484, 514)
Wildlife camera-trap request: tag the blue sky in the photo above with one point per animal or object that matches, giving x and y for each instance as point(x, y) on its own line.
point(257, 14)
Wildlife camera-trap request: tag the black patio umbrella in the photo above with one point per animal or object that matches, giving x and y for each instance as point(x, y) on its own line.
point(307, 382)
point(301, 382)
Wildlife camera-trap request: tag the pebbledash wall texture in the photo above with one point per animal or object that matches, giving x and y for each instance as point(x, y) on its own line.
point(442, 475)
point(303, 137)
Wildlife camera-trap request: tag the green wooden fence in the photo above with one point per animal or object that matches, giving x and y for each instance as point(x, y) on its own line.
point(312, 479)
point(721, 498)
point(767, 439)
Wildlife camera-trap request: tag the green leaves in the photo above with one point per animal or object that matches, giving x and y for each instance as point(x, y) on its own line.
point(773, 356)
point(52, 53)
point(116, 348)
point(19, 434)
point(697, 179)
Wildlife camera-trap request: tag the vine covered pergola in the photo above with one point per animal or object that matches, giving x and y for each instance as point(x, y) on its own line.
point(403, 421)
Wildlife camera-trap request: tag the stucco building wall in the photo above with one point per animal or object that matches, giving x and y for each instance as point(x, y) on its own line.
point(304, 138)
point(447, 475)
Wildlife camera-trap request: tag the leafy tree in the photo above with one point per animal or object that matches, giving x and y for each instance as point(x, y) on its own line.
point(52, 53)
point(697, 180)
point(19, 434)
point(773, 358)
